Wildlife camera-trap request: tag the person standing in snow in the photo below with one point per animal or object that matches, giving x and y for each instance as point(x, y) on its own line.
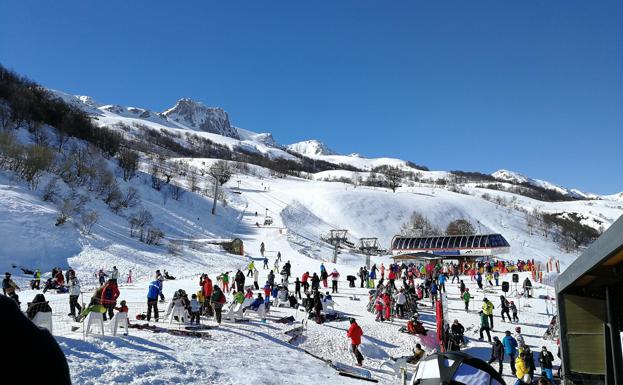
point(354, 333)
point(315, 282)
point(129, 277)
point(195, 309)
point(297, 288)
point(114, 274)
point(378, 307)
point(240, 280)
point(9, 288)
point(466, 297)
point(279, 256)
point(505, 305)
point(155, 289)
point(271, 279)
point(217, 300)
point(510, 349)
point(36, 282)
point(546, 361)
point(256, 277)
point(74, 293)
point(497, 354)
point(262, 249)
point(304, 279)
point(372, 276)
point(266, 263)
point(101, 276)
point(400, 299)
point(251, 267)
point(462, 287)
point(487, 308)
point(513, 309)
point(206, 288)
point(479, 280)
point(521, 342)
point(225, 280)
point(484, 326)
point(334, 280)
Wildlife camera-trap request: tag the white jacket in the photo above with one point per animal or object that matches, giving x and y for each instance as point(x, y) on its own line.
point(400, 298)
point(74, 288)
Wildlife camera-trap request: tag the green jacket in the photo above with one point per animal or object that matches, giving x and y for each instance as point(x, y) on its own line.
point(484, 320)
point(466, 296)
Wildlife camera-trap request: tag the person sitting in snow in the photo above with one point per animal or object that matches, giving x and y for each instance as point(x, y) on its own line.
point(418, 354)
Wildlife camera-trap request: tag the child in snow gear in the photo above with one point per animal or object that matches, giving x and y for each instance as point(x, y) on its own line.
point(195, 309)
point(513, 309)
point(466, 297)
point(354, 333)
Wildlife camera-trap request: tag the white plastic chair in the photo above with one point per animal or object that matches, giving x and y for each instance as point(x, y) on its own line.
point(95, 318)
point(119, 320)
point(43, 320)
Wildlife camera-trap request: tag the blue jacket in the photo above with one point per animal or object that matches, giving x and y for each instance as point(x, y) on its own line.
point(155, 288)
point(442, 279)
point(256, 304)
point(433, 288)
point(510, 345)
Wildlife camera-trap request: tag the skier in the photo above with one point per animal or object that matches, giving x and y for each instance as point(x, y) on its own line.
point(279, 256)
point(129, 277)
point(496, 276)
point(497, 353)
point(355, 333)
point(433, 292)
point(334, 279)
point(262, 248)
point(324, 276)
point(462, 287)
point(484, 325)
point(206, 288)
point(287, 268)
point(372, 276)
point(466, 297)
point(510, 349)
point(479, 280)
point(225, 280)
point(155, 289)
point(266, 263)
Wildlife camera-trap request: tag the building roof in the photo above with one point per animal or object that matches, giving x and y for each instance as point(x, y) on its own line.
point(597, 266)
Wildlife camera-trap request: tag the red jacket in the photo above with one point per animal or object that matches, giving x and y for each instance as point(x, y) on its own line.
point(391, 275)
point(305, 277)
point(354, 333)
point(110, 293)
point(207, 287)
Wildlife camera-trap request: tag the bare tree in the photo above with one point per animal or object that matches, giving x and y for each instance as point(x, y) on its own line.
point(221, 172)
point(419, 226)
point(460, 227)
point(156, 175)
point(394, 176)
point(128, 161)
point(88, 220)
point(139, 221)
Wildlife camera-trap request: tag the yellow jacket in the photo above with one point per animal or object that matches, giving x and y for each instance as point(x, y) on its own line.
point(520, 367)
point(487, 308)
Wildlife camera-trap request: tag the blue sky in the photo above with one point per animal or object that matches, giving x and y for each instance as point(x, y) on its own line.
point(531, 86)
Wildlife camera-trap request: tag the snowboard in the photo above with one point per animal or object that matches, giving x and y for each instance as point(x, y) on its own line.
point(346, 370)
point(175, 332)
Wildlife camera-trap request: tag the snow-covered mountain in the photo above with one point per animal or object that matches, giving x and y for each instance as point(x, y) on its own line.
point(517, 178)
point(311, 148)
point(200, 117)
